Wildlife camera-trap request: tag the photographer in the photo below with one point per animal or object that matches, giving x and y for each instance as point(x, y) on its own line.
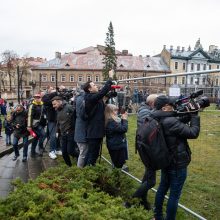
point(51, 122)
point(176, 134)
point(95, 107)
point(37, 122)
point(65, 127)
point(19, 123)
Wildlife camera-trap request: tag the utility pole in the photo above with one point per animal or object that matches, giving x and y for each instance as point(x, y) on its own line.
point(56, 80)
point(40, 82)
point(18, 75)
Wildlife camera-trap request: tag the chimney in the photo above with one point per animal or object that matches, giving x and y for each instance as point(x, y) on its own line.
point(147, 55)
point(189, 48)
point(125, 52)
point(178, 48)
point(58, 55)
point(164, 47)
point(171, 47)
point(183, 49)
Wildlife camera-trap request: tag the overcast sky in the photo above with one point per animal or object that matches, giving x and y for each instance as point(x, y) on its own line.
point(41, 27)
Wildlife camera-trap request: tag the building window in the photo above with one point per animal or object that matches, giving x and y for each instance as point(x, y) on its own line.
point(80, 78)
point(176, 65)
point(203, 81)
point(191, 80)
point(210, 67)
point(71, 78)
point(96, 78)
point(89, 78)
point(44, 78)
point(184, 66)
point(192, 66)
point(135, 81)
point(198, 67)
point(217, 66)
point(204, 67)
point(52, 78)
point(183, 80)
point(63, 78)
point(216, 82)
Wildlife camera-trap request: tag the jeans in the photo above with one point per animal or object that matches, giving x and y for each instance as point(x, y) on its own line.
point(83, 149)
point(8, 138)
point(54, 144)
point(68, 147)
point(25, 146)
point(93, 151)
point(172, 179)
point(41, 135)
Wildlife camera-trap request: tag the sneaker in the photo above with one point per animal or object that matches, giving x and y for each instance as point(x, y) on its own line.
point(125, 168)
point(52, 155)
point(24, 159)
point(58, 152)
point(15, 157)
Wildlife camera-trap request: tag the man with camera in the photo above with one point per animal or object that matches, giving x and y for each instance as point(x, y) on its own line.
point(51, 122)
point(176, 134)
point(94, 108)
point(66, 128)
point(37, 122)
point(19, 123)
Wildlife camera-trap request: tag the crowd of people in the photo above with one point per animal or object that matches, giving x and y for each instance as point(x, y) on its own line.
point(77, 130)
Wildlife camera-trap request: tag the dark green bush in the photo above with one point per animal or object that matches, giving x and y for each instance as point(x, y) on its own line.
point(72, 193)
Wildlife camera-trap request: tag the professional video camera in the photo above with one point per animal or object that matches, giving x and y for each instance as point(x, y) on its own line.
point(112, 93)
point(66, 94)
point(191, 103)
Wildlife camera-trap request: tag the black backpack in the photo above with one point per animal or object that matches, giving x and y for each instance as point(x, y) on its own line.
point(151, 144)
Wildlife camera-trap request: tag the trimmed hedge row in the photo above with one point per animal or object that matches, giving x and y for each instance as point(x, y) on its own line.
point(92, 193)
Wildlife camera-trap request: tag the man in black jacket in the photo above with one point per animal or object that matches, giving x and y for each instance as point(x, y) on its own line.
point(95, 107)
point(19, 122)
point(65, 127)
point(51, 122)
point(176, 134)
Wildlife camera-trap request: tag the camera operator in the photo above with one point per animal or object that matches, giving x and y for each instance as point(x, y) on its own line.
point(51, 122)
point(176, 134)
point(37, 122)
point(95, 107)
point(19, 122)
point(65, 127)
point(149, 178)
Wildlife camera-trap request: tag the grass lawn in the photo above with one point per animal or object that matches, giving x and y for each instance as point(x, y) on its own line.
point(201, 191)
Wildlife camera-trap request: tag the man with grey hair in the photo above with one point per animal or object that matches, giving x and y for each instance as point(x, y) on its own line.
point(149, 178)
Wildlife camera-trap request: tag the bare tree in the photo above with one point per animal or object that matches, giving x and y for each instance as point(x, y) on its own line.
point(9, 61)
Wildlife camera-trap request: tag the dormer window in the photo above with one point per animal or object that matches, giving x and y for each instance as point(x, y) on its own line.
point(121, 66)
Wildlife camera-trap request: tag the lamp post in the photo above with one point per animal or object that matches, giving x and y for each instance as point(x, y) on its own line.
point(18, 75)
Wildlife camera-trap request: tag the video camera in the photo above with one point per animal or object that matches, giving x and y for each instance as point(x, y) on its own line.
point(191, 103)
point(66, 94)
point(112, 93)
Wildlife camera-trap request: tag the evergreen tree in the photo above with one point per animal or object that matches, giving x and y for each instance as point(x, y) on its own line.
point(110, 58)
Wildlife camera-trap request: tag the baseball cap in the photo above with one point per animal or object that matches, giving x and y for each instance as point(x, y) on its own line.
point(163, 100)
point(56, 98)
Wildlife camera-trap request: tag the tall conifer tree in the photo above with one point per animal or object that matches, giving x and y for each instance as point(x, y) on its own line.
point(110, 58)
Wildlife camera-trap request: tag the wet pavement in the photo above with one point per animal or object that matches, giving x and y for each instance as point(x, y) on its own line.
point(10, 170)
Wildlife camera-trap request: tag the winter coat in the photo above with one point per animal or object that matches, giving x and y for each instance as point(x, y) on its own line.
point(8, 127)
point(176, 134)
point(115, 134)
point(142, 113)
point(50, 111)
point(21, 119)
point(95, 108)
point(81, 123)
point(66, 119)
point(36, 115)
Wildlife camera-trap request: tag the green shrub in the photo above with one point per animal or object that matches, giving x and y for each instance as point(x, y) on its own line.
point(72, 193)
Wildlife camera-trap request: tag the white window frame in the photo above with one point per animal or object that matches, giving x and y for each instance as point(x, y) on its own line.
point(71, 78)
point(52, 78)
point(89, 78)
point(176, 65)
point(63, 78)
point(44, 78)
point(80, 78)
point(97, 78)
